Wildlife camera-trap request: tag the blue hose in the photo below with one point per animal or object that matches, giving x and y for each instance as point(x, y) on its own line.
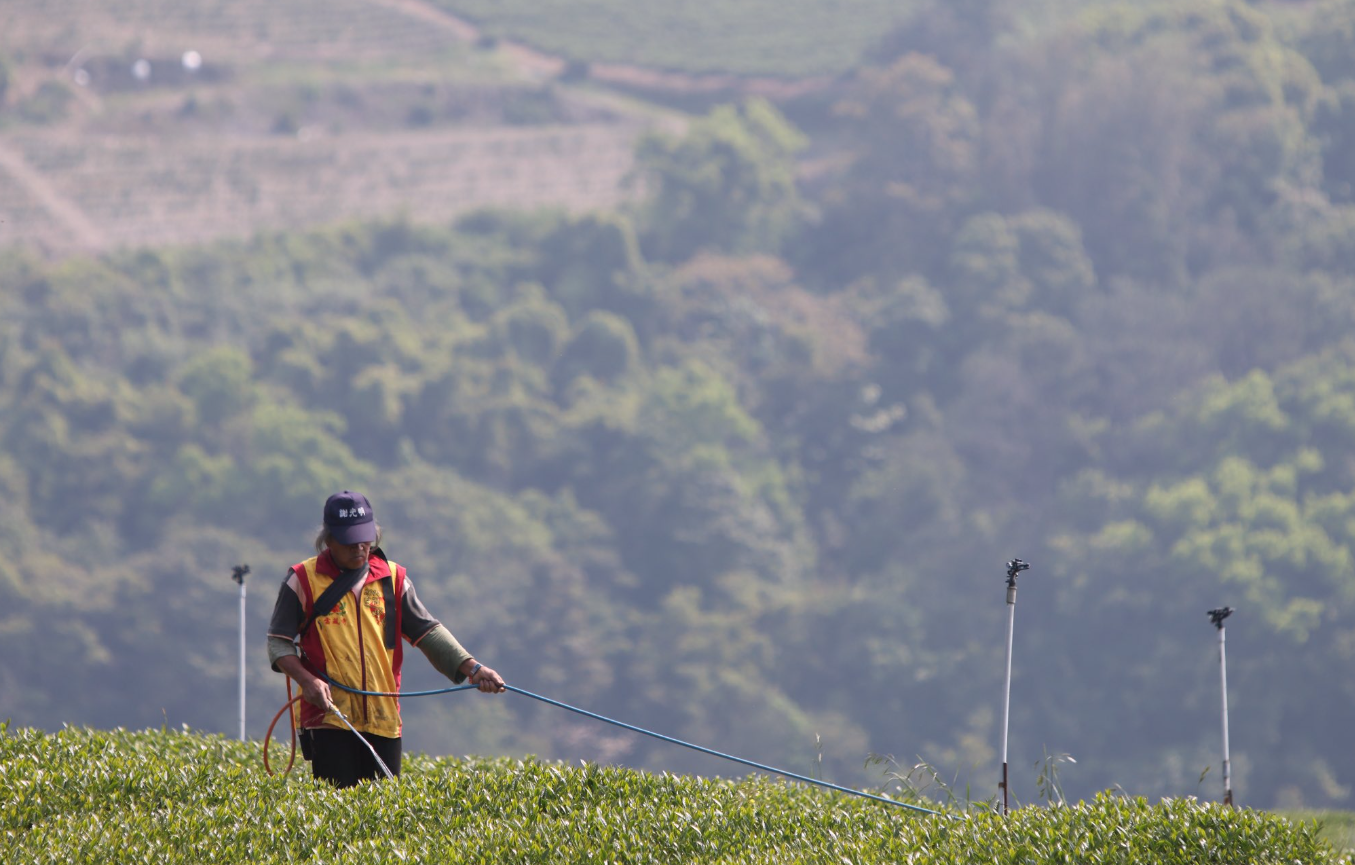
point(650, 733)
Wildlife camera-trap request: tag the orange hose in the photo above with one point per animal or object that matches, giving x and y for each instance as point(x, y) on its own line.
point(269, 735)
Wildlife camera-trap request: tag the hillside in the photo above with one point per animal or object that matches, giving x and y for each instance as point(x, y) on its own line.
point(181, 796)
point(256, 116)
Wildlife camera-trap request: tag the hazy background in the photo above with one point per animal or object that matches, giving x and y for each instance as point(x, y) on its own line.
point(706, 363)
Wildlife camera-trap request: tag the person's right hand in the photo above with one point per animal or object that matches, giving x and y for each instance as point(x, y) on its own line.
point(316, 692)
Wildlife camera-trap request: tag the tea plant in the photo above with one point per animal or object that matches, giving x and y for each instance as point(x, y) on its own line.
point(79, 796)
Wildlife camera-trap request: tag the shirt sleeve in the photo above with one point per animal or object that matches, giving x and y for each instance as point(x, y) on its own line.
point(415, 620)
point(285, 622)
point(278, 648)
point(444, 652)
point(287, 610)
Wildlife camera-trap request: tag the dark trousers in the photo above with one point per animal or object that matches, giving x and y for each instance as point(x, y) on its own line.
point(339, 757)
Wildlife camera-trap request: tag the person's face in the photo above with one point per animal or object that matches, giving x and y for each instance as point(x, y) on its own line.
point(348, 556)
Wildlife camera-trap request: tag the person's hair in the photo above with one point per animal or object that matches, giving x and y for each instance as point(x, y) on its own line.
point(324, 536)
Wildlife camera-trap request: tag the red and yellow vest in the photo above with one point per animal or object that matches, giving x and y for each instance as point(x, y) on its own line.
point(356, 644)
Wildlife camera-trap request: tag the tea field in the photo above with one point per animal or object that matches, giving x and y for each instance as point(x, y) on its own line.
point(754, 37)
point(83, 795)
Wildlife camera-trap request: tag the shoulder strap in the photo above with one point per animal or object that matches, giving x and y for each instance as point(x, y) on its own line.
point(392, 594)
point(392, 611)
point(329, 597)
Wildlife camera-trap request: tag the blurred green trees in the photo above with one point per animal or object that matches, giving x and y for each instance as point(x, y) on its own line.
point(745, 465)
point(728, 185)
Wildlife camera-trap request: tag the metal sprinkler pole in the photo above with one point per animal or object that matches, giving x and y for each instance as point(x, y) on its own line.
point(1014, 567)
point(238, 574)
point(1217, 617)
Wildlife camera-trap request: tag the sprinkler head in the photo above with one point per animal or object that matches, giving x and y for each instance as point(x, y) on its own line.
point(1014, 567)
point(238, 573)
point(1217, 616)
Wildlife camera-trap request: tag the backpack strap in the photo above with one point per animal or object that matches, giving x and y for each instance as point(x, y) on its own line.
point(392, 593)
point(392, 614)
point(329, 597)
point(332, 593)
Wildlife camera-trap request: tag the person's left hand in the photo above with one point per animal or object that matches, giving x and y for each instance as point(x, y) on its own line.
point(488, 681)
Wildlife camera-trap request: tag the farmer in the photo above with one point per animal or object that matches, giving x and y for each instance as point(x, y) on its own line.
point(351, 634)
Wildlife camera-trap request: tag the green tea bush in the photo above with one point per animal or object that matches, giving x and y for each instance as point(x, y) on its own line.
point(83, 796)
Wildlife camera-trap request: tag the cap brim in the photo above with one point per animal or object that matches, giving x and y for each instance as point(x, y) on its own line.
point(362, 533)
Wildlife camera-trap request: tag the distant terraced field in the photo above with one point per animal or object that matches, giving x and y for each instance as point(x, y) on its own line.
point(302, 112)
point(241, 29)
point(780, 38)
point(134, 194)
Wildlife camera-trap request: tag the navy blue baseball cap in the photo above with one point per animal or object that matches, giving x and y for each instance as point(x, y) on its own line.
point(349, 518)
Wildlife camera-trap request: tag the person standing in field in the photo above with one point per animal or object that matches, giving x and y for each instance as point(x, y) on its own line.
point(346, 609)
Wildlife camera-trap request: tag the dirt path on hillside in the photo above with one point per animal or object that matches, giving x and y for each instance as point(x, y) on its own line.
point(84, 232)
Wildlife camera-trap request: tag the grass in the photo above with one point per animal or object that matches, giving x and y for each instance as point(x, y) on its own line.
point(116, 796)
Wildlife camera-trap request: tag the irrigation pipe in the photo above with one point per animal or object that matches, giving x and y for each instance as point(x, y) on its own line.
point(1217, 616)
point(268, 737)
point(1014, 567)
point(632, 728)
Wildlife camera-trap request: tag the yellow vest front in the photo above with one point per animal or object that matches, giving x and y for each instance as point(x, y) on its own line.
point(347, 644)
